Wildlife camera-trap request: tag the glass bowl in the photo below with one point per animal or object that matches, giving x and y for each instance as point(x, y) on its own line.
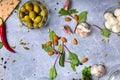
point(114, 73)
point(33, 14)
point(111, 10)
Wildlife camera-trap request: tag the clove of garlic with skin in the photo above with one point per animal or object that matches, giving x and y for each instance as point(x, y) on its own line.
point(98, 70)
point(83, 29)
point(107, 24)
point(113, 21)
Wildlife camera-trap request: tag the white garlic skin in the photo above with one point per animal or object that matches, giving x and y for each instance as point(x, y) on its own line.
point(108, 26)
point(98, 70)
point(117, 12)
point(108, 15)
point(113, 21)
point(116, 28)
point(83, 29)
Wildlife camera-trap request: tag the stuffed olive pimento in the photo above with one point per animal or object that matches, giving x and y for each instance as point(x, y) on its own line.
point(33, 14)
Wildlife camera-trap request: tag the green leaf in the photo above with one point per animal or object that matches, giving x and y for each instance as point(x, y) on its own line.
point(105, 32)
point(86, 73)
point(73, 67)
point(62, 59)
point(1, 45)
point(60, 48)
point(52, 73)
point(51, 34)
point(83, 16)
point(47, 48)
point(73, 58)
point(67, 12)
point(17, 7)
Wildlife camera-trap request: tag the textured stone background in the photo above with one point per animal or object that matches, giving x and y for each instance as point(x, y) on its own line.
point(35, 63)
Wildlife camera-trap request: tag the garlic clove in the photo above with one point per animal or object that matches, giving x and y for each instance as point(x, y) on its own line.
point(107, 24)
point(117, 12)
point(118, 18)
point(113, 21)
point(108, 15)
point(116, 28)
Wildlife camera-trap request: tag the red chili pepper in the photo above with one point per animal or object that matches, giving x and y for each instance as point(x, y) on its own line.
point(3, 36)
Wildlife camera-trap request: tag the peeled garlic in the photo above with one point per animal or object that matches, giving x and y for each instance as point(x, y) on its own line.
point(108, 15)
point(116, 28)
point(117, 12)
point(83, 29)
point(98, 70)
point(108, 26)
point(118, 18)
point(113, 21)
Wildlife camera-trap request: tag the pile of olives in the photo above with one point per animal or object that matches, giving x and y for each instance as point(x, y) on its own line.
point(33, 14)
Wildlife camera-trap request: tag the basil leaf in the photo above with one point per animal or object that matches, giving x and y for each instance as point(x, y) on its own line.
point(83, 16)
point(47, 48)
point(1, 45)
point(67, 12)
point(105, 32)
point(52, 73)
point(73, 58)
point(73, 67)
point(62, 59)
point(51, 34)
point(86, 73)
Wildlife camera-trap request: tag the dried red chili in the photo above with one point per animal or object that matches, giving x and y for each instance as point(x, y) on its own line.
point(3, 36)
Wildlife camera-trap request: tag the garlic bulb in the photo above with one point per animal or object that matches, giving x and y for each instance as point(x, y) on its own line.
point(98, 70)
point(83, 29)
point(113, 21)
point(107, 24)
point(116, 28)
point(117, 12)
point(108, 15)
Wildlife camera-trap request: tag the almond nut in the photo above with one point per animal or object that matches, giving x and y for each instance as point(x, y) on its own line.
point(67, 19)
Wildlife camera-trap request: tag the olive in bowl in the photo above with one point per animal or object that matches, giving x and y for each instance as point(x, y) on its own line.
point(33, 14)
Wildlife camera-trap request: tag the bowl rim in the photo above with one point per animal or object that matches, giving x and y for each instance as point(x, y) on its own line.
point(109, 10)
point(112, 71)
point(38, 2)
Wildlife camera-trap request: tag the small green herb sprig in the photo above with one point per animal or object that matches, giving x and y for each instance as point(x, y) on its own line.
point(59, 51)
point(86, 73)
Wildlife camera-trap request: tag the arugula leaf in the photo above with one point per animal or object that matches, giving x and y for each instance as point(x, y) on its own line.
point(73, 58)
point(62, 59)
point(83, 16)
point(67, 12)
point(73, 67)
point(51, 34)
point(52, 73)
point(86, 73)
point(105, 32)
point(47, 48)
point(1, 45)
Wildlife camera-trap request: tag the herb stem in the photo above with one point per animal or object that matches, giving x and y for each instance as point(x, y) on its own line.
point(56, 60)
point(97, 26)
point(67, 48)
point(71, 16)
point(68, 61)
point(76, 27)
